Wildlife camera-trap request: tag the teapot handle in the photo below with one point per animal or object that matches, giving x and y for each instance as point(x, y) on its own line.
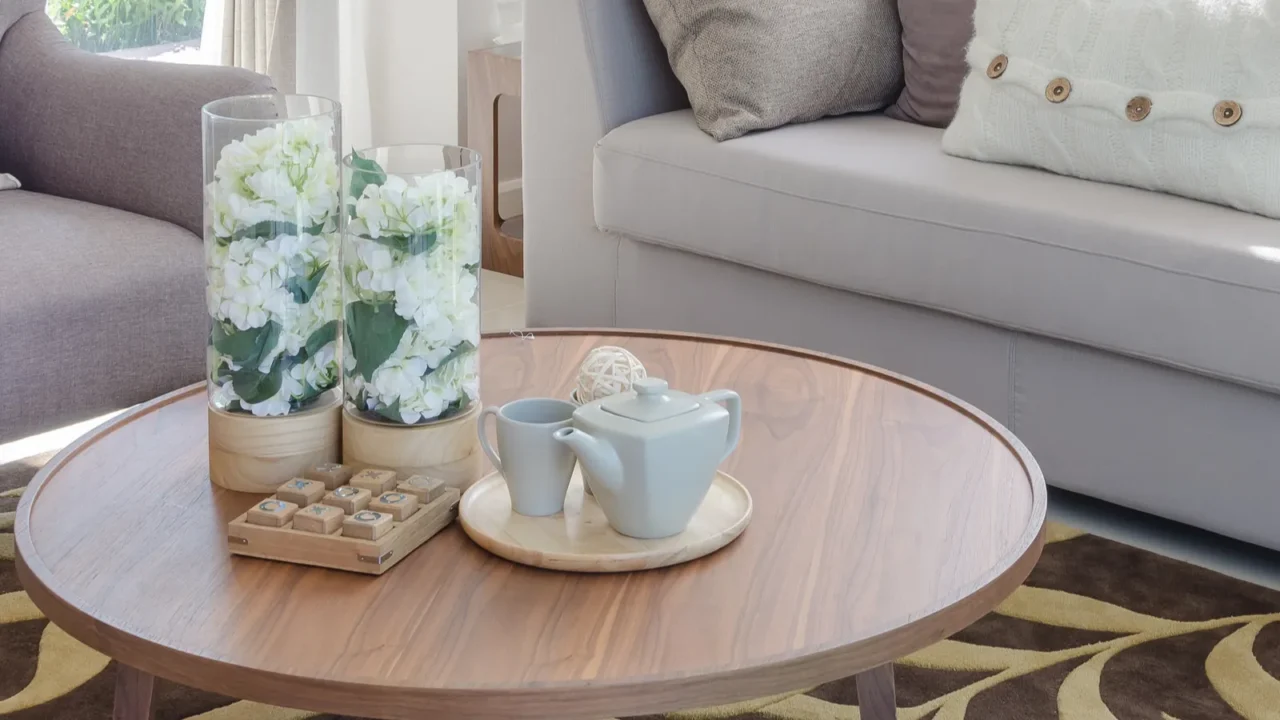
point(734, 403)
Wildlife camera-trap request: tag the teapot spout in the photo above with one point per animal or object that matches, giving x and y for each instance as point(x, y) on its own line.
point(598, 458)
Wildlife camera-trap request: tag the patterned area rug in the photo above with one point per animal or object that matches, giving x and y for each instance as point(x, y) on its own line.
point(1101, 631)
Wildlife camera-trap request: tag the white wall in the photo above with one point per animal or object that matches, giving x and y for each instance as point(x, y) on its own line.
point(399, 69)
point(392, 63)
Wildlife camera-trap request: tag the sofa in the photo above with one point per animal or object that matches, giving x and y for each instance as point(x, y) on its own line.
point(102, 282)
point(1129, 338)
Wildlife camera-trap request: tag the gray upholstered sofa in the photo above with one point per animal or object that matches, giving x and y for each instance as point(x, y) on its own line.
point(1131, 339)
point(101, 264)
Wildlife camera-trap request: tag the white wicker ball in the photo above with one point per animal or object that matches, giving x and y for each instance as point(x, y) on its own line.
point(608, 370)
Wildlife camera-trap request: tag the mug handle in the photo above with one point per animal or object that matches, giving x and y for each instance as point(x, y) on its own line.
point(484, 436)
point(730, 398)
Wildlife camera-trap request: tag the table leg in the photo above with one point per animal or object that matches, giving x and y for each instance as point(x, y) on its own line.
point(876, 699)
point(133, 694)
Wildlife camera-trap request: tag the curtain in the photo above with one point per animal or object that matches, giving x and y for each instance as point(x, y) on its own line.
point(393, 64)
point(258, 35)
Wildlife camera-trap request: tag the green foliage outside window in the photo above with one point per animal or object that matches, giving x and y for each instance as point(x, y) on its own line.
point(106, 25)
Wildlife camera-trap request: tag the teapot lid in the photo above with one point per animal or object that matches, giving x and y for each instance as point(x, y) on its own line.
point(651, 402)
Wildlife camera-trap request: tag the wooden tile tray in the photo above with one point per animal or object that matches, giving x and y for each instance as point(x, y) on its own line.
point(339, 549)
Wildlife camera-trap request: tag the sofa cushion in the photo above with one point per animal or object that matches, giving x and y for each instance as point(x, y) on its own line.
point(99, 309)
point(934, 36)
point(1172, 95)
point(872, 205)
point(755, 64)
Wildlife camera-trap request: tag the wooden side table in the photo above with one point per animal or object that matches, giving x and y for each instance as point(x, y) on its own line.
point(492, 73)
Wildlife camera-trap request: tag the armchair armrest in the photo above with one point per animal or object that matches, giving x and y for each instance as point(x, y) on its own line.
point(121, 133)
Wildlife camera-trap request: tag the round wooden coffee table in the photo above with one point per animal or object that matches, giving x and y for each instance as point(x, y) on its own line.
point(888, 516)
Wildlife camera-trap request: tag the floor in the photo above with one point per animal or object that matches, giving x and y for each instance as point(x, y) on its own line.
point(504, 310)
point(502, 297)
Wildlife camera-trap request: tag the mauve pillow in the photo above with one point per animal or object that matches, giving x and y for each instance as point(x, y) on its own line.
point(935, 34)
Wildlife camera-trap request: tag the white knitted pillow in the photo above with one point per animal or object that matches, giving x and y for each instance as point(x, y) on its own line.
point(1181, 96)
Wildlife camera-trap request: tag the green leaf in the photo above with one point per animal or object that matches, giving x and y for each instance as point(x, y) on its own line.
point(364, 173)
point(325, 335)
point(421, 242)
point(310, 393)
point(316, 229)
point(255, 387)
point(373, 332)
point(415, 244)
point(266, 229)
point(223, 372)
point(304, 287)
point(391, 412)
point(246, 348)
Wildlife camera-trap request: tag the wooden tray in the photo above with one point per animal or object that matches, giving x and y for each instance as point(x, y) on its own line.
point(580, 539)
point(372, 557)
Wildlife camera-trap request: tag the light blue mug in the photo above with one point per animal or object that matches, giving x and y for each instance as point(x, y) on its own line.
point(535, 465)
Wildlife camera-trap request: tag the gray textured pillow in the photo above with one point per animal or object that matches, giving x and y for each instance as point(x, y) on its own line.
point(756, 64)
point(935, 34)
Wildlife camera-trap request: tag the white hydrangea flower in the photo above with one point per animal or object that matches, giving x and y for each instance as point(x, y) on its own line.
point(320, 370)
point(283, 174)
point(434, 366)
point(431, 203)
point(378, 273)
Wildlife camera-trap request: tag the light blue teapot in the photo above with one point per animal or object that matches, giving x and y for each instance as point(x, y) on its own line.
point(650, 454)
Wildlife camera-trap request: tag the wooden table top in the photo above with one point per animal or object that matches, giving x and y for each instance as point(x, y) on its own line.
point(887, 516)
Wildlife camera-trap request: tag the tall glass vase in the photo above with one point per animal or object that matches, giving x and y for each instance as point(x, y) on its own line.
point(411, 263)
point(272, 241)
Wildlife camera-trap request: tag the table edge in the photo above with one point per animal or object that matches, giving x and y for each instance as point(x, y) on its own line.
point(576, 699)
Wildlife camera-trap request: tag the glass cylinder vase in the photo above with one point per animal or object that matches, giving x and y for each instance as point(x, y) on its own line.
point(411, 263)
point(272, 242)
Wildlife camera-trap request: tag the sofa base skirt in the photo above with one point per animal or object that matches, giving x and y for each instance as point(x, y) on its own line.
point(1175, 444)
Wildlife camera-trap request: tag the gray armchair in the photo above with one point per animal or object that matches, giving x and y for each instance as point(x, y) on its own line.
point(102, 278)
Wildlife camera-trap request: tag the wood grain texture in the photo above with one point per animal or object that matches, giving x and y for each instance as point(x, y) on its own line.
point(580, 539)
point(133, 694)
point(449, 450)
point(886, 516)
point(877, 698)
point(257, 454)
point(491, 73)
point(371, 557)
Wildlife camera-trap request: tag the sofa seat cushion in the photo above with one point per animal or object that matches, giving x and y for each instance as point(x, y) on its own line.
point(872, 205)
point(99, 309)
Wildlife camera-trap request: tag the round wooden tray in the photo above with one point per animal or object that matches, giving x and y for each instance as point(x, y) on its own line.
point(580, 539)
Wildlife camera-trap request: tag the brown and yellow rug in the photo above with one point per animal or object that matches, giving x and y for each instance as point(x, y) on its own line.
point(1101, 631)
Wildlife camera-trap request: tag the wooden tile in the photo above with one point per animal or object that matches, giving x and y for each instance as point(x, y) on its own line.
point(322, 519)
point(301, 492)
point(396, 504)
point(375, 481)
point(271, 513)
point(425, 488)
point(351, 500)
point(332, 475)
point(366, 525)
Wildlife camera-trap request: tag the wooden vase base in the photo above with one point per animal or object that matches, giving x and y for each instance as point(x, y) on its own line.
point(448, 450)
point(259, 454)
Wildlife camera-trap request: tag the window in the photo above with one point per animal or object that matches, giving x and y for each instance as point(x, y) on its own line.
point(164, 30)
